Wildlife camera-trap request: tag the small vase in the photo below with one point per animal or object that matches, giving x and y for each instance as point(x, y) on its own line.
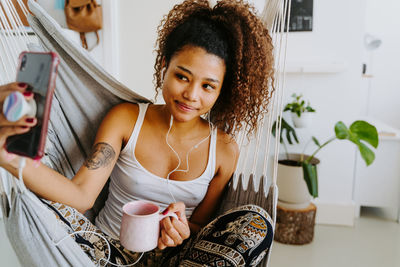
point(303, 121)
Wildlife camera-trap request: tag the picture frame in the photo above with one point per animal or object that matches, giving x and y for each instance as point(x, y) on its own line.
point(301, 16)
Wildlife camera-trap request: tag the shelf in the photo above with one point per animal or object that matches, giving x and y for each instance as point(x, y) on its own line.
point(316, 67)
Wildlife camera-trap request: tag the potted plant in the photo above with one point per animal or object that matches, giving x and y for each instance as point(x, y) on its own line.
point(300, 111)
point(297, 173)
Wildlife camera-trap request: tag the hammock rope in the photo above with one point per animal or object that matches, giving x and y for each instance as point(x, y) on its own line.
point(254, 171)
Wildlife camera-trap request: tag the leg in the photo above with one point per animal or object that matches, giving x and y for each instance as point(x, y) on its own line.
point(93, 244)
point(240, 237)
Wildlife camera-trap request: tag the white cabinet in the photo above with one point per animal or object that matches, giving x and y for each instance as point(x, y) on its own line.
point(378, 185)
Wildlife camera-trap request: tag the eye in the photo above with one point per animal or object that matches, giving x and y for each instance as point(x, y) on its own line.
point(208, 86)
point(181, 77)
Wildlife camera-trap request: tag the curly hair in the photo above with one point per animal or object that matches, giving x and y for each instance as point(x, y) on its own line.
point(232, 31)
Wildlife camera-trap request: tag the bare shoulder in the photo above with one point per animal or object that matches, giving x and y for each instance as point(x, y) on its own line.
point(120, 120)
point(125, 108)
point(226, 144)
point(227, 153)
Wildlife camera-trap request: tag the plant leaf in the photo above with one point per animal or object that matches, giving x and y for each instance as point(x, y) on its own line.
point(366, 153)
point(311, 178)
point(273, 131)
point(365, 131)
point(288, 137)
point(341, 130)
point(316, 141)
point(290, 131)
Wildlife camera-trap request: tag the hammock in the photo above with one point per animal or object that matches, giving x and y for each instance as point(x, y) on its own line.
point(84, 93)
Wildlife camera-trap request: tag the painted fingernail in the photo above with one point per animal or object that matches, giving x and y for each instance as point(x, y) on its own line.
point(24, 127)
point(165, 212)
point(22, 85)
point(30, 120)
point(27, 93)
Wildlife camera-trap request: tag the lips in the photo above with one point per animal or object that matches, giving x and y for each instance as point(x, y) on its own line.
point(185, 107)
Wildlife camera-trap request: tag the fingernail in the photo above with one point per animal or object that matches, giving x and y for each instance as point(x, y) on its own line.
point(30, 120)
point(24, 127)
point(165, 211)
point(22, 85)
point(27, 93)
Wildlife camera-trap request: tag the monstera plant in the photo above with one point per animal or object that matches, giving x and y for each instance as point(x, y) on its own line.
point(362, 134)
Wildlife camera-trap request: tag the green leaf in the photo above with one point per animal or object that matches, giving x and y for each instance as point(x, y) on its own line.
point(273, 130)
point(360, 131)
point(365, 131)
point(288, 137)
point(366, 153)
point(311, 178)
point(316, 141)
point(290, 132)
point(341, 130)
point(310, 109)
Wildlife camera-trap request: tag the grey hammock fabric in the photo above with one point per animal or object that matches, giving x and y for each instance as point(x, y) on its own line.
point(33, 232)
point(84, 93)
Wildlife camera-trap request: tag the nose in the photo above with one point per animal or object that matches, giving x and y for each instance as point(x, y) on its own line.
point(191, 92)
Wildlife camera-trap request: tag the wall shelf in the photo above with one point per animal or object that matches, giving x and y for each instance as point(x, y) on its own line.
point(316, 67)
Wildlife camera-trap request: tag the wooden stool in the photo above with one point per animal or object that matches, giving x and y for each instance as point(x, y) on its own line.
point(295, 226)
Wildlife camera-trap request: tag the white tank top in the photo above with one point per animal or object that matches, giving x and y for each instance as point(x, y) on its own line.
point(130, 181)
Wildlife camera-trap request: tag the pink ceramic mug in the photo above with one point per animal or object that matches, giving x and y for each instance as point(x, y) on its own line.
point(140, 226)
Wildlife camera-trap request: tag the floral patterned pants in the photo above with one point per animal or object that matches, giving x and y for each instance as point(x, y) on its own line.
point(240, 237)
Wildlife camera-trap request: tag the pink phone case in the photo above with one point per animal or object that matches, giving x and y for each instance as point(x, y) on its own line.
point(41, 70)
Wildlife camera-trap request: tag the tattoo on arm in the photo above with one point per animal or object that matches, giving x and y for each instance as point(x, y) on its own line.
point(101, 156)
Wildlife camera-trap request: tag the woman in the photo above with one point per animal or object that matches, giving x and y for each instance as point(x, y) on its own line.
point(214, 68)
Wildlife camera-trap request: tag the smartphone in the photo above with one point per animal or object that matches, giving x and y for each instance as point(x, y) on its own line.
point(38, 70)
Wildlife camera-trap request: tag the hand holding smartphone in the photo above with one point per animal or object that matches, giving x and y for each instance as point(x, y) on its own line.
point(39, 71)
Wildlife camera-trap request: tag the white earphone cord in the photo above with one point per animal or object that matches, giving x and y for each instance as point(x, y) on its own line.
point(22, 165)
point(177, 155)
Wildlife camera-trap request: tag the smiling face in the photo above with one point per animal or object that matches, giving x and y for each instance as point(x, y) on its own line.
point(192, 83)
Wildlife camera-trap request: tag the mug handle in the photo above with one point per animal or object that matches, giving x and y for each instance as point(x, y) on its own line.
point(169, 214)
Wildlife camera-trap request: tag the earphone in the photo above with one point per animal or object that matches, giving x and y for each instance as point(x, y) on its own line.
point(171, 121)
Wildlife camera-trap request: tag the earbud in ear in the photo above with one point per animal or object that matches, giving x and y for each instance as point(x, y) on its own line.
point(15, 107)
point(171, 121)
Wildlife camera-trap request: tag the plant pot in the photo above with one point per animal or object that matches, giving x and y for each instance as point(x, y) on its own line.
point(293, 191)
point(303, 121)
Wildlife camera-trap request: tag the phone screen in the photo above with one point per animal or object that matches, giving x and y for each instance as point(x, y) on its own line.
point(36, 70)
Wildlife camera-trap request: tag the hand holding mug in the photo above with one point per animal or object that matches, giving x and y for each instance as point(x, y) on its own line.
point(140, 226)
point(174, 230)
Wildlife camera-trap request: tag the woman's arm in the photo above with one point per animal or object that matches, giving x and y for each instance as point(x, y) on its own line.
point(227, 156)
point(82, 190)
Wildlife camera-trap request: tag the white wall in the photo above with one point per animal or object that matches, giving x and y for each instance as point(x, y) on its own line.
point(138, 21)
point(336, 38)
point(382, 21)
